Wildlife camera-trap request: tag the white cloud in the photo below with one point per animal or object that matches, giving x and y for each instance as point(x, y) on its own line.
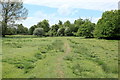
point(39, 16)
point(65, 10)
point(85, 4)
point(95, 19)
point(66, 7)
point(53, 19)
point(30, 21)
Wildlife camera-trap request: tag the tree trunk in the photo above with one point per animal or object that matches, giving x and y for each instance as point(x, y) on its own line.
point(4, 28)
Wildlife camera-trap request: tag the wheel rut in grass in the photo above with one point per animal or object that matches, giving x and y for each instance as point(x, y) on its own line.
point(59, 67)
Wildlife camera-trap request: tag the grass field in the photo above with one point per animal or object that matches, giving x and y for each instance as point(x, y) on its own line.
point(59, 57)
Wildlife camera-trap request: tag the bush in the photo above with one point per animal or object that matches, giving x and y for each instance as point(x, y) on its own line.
point(38, 31)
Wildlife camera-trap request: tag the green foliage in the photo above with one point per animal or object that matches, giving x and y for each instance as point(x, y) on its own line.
point(26, 30)
point(11, 31)
point(53, 30)
point(86, 29)
point(21, 29)
point(68, 31)
point(38, 31)
point(44, 24)
point(108, 25)
point(60, 31)
point(60, 23)
point(31, 29)
point(79, 22)
point(67, 23)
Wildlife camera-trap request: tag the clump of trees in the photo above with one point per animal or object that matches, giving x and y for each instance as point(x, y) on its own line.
point(107, 26)
point(22, 30)
point(16, 29)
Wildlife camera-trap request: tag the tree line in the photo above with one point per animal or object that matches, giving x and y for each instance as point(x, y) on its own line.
point(107, 26)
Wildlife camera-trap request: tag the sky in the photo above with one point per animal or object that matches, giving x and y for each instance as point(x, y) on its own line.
point(55, 10)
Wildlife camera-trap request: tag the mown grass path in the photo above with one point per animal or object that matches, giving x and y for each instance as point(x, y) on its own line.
point(67, 50)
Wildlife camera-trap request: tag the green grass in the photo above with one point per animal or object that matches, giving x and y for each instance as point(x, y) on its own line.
point(40, 57)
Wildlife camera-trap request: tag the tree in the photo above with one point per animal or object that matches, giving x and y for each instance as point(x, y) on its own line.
point(60, 24)
point(78, 23)
point(38, 31)
point(60, 31)
point(21, 29)
point(68, 31)
point(53, 30)
point(108, 25)
point(31, 29)
point(86, 29)
point(11, 31)
point(26, 31)
point(67, 23)
point(44, 24)
point(11, 11)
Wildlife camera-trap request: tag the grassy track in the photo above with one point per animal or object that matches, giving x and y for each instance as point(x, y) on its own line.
point(59, 57)
point(67, 50)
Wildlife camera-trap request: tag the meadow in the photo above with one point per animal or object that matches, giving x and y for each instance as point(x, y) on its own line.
point(59, 57)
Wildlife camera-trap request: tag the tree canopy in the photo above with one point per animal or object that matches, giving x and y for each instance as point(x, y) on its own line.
point(108, 25)
point(86, 29)
point(44, 24)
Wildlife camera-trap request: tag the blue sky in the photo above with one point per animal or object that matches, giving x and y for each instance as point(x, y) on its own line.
point(48, 10)
point(55, 10)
